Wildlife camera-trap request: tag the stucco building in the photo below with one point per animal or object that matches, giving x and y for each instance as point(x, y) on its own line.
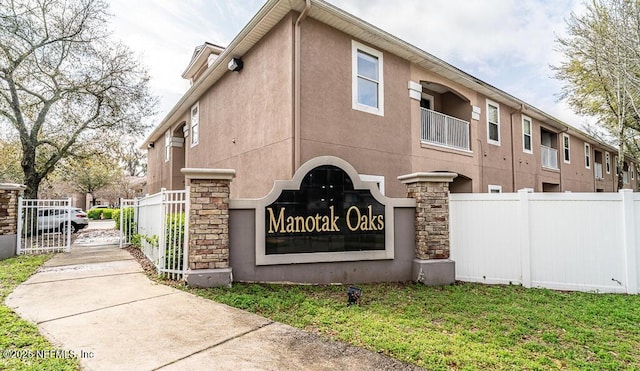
point(306, 79)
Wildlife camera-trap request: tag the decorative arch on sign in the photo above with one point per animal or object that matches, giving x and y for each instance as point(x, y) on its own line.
point(325, 213)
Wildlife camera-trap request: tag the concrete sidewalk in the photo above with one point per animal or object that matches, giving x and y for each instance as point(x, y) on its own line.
point(97, 300)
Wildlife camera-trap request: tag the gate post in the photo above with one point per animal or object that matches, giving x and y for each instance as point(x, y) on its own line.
point(208, 232)
point(431, 265)
point(9, 194)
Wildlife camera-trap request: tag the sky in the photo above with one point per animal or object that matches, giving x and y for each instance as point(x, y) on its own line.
point(509, 44)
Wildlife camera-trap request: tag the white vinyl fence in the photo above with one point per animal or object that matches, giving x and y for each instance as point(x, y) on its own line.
point(44, 226)
point(160, 225)
point(563, 241)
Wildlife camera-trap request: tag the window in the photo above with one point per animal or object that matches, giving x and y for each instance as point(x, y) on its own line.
point(427, 101)
point(367, 84)
point(195, 124)
point(631, 170)
point(493, 123)
point(566, 146)
point(617, 167)
point(607, 161)
point(526, 135)
point(167, 146)
point(495, 188)
point(587, 155)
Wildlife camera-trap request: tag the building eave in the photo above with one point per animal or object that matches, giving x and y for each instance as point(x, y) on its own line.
point(200, 58)
point(275, 10)
point(267, 17)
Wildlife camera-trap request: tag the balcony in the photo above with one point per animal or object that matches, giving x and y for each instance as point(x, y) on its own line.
point(598, 169)
point(549, 157)
point(443, 130)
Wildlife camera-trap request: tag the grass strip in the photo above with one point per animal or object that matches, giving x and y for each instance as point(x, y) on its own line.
point(17, 334)
point(464, 326)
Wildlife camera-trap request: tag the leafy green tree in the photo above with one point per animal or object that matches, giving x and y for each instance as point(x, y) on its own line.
point(64, 83)
point(88, 175)
point(601, 70)
point(10, 158)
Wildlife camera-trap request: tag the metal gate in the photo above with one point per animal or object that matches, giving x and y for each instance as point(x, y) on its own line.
point(128, 221)
point(157, 224)
point(44, 226)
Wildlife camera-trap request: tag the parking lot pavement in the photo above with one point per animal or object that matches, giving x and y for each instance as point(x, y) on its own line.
point(101, 224)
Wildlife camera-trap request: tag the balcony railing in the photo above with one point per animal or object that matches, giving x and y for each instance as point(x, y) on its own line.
point(440, 129)
point(549, 157)
point(598, 169)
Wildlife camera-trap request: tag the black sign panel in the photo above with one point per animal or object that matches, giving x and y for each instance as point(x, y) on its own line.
point(325, 215)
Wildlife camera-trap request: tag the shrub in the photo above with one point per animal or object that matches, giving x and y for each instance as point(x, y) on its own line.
point(116, 217)
point(94, 214)
point(107, 213)
point(174, 236)
point(130, 228)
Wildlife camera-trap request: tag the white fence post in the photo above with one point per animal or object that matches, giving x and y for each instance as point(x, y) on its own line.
point(629, 238)
point(68, 225)
point(20, 226)
point(185, 239)
point(525, 239)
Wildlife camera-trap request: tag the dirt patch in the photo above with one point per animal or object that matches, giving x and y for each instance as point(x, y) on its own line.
point(145, 263)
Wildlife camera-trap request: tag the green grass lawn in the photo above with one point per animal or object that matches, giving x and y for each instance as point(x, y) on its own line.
point(17, 334)
point(464, 326)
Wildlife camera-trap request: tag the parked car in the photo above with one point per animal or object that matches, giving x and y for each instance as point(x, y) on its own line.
point(55, 219)
point(99, 207)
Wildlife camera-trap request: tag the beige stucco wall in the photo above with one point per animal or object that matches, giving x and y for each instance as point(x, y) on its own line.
point(246, 118)
point(375, 145)
point(246, 123)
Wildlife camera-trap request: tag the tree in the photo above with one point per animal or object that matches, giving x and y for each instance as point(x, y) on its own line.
point(601, 71)
point(132, 159)
point(10, 171)
point(88, 175)
point(65, 83)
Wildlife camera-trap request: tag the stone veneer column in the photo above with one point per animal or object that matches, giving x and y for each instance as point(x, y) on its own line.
point(431, 265)
point(9, 194)
point(208, 227)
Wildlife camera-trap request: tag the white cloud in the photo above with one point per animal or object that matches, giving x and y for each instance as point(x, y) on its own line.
point(507, 43)
point(164, 34)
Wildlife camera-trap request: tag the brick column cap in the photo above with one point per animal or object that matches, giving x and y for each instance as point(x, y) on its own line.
point(216, 174)
point(427, 177)
point(12, 187)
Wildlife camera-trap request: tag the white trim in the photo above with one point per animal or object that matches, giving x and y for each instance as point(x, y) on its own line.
point(489, 140)
point(378, 179)
point(355, 47)
point(430, 98)
point(475, 113)
point(493, 187)
point(530, 150)
point(415, 90)
point(587, 155)
point(167, 146)
point(607, 159)
point(260, 204)
point(195, 139)
point(566, 159)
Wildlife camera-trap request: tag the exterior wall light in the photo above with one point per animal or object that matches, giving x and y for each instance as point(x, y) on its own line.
point(235, 64)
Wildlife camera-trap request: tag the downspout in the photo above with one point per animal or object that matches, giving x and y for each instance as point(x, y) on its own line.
point(561, 163)
point(296, 88)
point(482, 154)
point(513, 151)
